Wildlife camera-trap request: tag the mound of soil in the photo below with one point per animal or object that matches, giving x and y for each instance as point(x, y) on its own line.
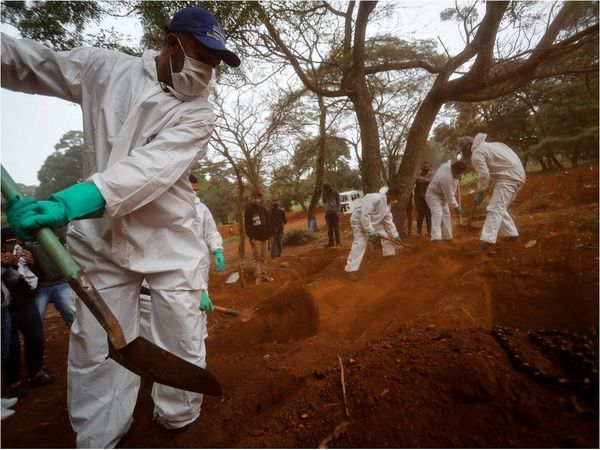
point(421, 366)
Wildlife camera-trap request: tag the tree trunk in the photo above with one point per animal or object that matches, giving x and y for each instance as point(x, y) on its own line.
point(369, 136)
point(240, 218)
point(575, 158)
point(415, 144)
point(552, 157)
point(320, 164)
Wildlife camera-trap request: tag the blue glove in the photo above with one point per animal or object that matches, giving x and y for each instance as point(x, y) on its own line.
point(372, 234)
point(458, 210)
point(479, 197)
point(205, 303)
point(80, 201)
point(219, 260)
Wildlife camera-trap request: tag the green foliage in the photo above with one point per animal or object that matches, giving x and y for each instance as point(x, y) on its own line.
point(216, 191)
point(62, 168)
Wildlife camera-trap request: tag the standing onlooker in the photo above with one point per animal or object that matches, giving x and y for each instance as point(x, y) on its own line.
point(258, 230)
point(331, 205)
point(25, 318)
point(423, 211)
point(52, 286)
point(7, 274)
point(277, 220)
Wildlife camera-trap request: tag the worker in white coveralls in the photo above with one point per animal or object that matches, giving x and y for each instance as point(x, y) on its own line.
point(146, 122)
point(211, 239)
point(372, 218)
point(440, 197)
point(495, 162)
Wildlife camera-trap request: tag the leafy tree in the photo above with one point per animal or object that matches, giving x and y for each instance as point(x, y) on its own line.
point(62, 168)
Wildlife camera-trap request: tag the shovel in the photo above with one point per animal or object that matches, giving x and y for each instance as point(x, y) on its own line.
point(244, 316)
point(140, 356)
point(403, 244)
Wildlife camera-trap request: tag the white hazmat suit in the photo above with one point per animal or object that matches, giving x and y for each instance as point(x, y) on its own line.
point(496, 162)
point(372, 214)
point(440, 197)
point(140, 143)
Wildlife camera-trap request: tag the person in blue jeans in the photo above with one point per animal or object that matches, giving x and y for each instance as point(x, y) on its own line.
point(52, 287)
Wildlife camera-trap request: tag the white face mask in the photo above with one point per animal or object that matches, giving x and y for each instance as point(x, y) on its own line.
point(193, 79)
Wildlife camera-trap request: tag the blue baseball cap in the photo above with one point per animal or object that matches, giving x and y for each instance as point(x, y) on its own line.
point(205, 28)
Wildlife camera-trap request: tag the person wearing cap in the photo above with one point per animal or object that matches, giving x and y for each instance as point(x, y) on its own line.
point(440, 196)
point(497, 163)
point(258, 230)
point(332, 206)
point(146, 121)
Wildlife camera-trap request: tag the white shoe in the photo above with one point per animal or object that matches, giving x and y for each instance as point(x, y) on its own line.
point(8, 402)
point(6, 413)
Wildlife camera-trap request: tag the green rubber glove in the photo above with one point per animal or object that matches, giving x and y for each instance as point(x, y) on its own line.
point(372, 234)
point(16, 210)
point(458, 210)
point(80, 201)
point(479, 197)
point(398, 239)
point(205, 303)
point(219, 260)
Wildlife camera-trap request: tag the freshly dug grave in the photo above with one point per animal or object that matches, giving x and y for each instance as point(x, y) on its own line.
point(421, 366)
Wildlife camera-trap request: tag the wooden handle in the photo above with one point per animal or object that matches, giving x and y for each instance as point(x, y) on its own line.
point(229, 312)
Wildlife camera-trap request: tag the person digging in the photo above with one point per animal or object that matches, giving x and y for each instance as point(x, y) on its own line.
point(372, 218)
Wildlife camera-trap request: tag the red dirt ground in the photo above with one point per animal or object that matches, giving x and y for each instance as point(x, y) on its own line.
point(421, 366)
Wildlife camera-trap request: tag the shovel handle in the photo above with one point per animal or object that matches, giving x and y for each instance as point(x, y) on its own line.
point(228, 311)
point(75, 276)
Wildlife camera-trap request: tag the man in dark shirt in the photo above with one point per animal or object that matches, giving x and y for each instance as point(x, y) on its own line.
point(258, 230)
point(52, 286)
point(277, 221)
point(331, 205)
point(423, 212)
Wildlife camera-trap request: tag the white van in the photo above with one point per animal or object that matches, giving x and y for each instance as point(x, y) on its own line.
point(348, 201)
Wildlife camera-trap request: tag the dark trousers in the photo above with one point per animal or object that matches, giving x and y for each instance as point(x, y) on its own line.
point(25, 319)
point(277, 244)
point(333, 226)
point(409, 211)
point(423, 212)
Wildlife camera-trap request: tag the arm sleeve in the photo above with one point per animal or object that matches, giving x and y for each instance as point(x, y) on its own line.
point(151, 169)
point(283, 216)
point(388, 224)
point(211, 234)
point(480, 166)
point(28, 66)
point(365, 214)
point(337, 200)
point(448, 185)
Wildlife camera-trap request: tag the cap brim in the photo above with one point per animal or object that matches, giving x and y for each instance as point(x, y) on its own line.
point(228, 57)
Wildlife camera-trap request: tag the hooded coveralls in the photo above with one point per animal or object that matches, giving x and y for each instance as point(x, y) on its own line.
point(439, 198)
point(372, 214)
point(496, 162)
point(140, 143)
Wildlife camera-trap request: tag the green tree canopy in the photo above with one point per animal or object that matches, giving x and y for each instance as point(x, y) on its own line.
point(62, 168)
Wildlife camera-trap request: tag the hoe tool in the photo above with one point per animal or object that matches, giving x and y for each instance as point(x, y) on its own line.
point(140, 356)
point(403, 244)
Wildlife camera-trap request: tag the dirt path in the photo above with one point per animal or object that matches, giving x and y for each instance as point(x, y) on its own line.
point(421, 366)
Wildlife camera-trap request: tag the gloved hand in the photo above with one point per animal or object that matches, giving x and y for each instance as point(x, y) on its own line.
point(219, 260)
point(399, 240)
point(372, 234)
point(205, 303)
point(479, 197)
point(80, 201)
point(459, 210)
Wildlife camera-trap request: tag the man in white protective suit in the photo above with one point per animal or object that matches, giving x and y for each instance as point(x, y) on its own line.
point(495, 162)
point(440, 196)
point(146, 122)
point(372, 218)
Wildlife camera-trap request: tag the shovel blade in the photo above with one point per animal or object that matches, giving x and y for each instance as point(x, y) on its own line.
point(148, 360)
